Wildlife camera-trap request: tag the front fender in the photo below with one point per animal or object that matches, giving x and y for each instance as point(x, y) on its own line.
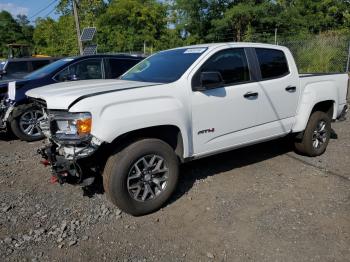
point(120, 115)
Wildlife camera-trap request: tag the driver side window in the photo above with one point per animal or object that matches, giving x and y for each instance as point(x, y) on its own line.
point(232, 65)
point(83, 70)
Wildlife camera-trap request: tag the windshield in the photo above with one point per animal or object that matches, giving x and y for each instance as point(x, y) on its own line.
point(48, 69)
point(164, 67)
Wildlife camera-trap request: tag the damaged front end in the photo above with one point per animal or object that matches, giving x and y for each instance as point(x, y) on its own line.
point(71, 149)
point(6, 107)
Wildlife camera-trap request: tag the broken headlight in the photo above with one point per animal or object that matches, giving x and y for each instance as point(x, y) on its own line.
point(66, 126)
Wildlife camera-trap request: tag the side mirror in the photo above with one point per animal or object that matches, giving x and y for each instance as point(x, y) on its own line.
point(210, 80)
point(73, 78)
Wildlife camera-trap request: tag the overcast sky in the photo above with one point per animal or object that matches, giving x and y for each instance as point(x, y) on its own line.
point(32, 8)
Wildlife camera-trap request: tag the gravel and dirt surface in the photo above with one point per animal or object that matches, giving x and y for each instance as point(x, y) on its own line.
point(262, 203)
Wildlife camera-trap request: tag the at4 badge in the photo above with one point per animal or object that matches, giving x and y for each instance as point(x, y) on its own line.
point(206, 131)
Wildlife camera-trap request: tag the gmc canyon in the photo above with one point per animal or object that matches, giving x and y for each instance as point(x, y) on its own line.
point(179, 105)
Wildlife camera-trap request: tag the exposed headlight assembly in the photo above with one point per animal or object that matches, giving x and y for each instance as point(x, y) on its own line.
point(67, 126)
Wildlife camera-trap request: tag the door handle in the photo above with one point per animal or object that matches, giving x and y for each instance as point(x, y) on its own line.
point(251, 95)
point(291, 89)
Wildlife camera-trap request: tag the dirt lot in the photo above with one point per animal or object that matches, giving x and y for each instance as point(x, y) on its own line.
point(262, 203)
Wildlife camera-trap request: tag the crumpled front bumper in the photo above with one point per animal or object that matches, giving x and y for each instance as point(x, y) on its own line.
point(6, 108)
point(73, 164)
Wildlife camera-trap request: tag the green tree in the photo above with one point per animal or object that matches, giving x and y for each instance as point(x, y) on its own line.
point(10, 32)
point(128, 24)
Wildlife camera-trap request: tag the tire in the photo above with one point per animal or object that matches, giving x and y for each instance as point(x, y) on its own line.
point(316, 135)
point(126, 187)
point(24, 122)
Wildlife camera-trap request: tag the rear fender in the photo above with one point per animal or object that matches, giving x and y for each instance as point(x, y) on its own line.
point(312, 95)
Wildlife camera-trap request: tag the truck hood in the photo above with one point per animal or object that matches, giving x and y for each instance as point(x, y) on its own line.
point(62, 95)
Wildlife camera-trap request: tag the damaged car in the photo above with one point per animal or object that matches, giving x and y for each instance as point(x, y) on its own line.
point(180, 105)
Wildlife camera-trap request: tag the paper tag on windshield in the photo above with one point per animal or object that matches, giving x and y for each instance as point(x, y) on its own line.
point(12, 91)
point(195, 51)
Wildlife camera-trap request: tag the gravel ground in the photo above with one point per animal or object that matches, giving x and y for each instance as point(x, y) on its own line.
point(262, 203)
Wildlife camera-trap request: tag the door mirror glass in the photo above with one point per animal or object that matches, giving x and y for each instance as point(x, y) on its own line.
point(210, 80)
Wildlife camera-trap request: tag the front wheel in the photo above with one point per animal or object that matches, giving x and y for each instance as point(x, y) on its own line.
point(316, 135)
point(140, 178)
point(25, 123)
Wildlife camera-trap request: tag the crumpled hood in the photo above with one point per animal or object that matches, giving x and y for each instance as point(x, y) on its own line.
point(62, 95)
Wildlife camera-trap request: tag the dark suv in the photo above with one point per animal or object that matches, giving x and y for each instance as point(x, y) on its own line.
point(18, 68)
point(22, 116)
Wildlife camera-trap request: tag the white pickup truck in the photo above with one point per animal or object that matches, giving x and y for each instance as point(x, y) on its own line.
point(180, 105)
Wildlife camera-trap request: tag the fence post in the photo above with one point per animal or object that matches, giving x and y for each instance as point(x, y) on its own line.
point(348, 62)
point(276, 36)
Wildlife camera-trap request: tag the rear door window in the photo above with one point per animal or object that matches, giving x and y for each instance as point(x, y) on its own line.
point(118, 66)
point(273, 63)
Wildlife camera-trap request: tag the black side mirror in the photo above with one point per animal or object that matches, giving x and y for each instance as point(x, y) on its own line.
point(210, 80)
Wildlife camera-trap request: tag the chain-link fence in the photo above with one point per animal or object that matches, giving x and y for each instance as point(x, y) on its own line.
point(323, 53)
point(320, 54)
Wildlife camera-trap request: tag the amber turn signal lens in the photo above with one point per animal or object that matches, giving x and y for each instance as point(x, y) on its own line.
point(84, 126)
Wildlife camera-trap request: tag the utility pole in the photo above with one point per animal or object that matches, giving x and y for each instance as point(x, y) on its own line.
point(77, 26)
point(348, 62)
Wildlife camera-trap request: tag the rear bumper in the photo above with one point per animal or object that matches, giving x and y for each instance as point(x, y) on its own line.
point(342, 116)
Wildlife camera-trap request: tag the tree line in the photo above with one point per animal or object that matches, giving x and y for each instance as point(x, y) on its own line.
point(129, 25)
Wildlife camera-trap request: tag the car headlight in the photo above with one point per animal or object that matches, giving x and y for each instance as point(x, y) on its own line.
point(71, 126)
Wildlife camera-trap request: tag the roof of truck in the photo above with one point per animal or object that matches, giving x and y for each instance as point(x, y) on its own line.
point(246, 44)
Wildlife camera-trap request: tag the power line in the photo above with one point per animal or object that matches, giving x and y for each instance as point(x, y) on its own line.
point(43, 9)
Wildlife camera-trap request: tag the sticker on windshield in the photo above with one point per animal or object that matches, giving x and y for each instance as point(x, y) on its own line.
point(195, 51)
point(2, 63)
point(68, 59)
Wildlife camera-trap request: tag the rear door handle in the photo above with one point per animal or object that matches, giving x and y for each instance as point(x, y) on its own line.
point(251, 95)
point(291, 89)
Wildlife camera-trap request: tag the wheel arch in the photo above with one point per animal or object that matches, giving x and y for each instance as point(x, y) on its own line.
point(326, 106)
point(170, 134)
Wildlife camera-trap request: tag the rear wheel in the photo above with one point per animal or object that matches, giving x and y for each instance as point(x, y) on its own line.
point(316, 135)
point(141, 178)
point(26, 123)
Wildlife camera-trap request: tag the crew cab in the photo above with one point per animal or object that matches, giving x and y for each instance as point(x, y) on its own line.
point(179, 105)
point(22, 117)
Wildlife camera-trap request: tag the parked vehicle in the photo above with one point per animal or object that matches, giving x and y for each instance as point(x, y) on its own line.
point(180, 105)
point(22, 116)
point(17, 68)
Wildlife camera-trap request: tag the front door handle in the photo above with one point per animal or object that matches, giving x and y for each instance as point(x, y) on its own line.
point(291, 89)
point(251, 95)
